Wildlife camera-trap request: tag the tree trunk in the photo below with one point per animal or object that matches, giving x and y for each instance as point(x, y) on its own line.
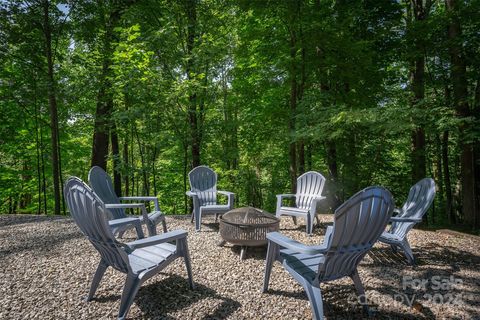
point(448, 186)
point(117, 178)
point(52, 102)
point(333, 194)
point(460, 98)
point(292, 153)
point(420, 13)
point(126, 165)
point(191, 11)
point(104, 96)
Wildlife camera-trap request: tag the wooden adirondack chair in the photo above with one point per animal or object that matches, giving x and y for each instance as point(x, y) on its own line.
point(140, 259)
point(357, 225)
point(203, 190)
point(309, 193)
point(419, 199)
point(102, 185)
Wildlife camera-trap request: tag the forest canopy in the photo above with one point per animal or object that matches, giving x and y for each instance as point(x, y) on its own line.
point(365, 92)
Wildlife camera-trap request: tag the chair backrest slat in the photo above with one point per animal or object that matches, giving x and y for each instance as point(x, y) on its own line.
point(102, 185)
point(89, 214)
point(203, 181)
point(358, 223)
point(419, 199)
point(309, 185)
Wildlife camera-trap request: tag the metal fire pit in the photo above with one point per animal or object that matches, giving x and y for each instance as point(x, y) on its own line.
point(247, 227)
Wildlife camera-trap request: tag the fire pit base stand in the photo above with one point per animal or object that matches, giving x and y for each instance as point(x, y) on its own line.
point(243, 250)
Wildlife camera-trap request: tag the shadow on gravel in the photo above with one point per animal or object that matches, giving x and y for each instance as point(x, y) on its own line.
point(158, 299)
point(12, 220)
point(432, 262)
point(37, 240)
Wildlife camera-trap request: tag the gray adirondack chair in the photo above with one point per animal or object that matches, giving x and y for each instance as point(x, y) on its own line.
point(419, 199)
point(357, 225)
point(203, 190)
point(102, 185)
point(309, 193)
point(139, 259)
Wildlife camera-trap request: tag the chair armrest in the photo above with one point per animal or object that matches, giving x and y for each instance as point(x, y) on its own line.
point(230, 195)
point(406, 219)
point(397, 211)
point(124, 221)
point(286, 195)
point(161, 238)
point(313, 206)
point(144, 198)
point(227, 193)
point(123, 205)
point(286, 242)
point(129, 205)
point(328, 235)
point(191, 194)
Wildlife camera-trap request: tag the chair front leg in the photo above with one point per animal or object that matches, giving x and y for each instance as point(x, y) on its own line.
point(408, 252)
point(132, 284)
point(272, 253)
point(309, 221)
point(279, 205)
point(102, 267)
point(315, 297)
point(198, 217)
point(231, 200)
point(183, 248)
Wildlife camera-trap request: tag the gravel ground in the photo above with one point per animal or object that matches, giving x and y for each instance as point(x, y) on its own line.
point(46, 268)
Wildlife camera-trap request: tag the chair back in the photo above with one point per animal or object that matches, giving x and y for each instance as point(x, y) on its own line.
point(419, 199)
point(358, 224)
point(203, 181)
point(309, 185)
point(102, 185)
point(89, 214)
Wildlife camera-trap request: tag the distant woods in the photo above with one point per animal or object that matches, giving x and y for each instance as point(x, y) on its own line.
point(365, 92)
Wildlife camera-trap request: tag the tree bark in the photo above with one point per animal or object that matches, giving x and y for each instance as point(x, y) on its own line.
point(420, 13)
point(104, 96)
point(460, 98)
point(292, 153)
point(117, 178)
point(52, 102)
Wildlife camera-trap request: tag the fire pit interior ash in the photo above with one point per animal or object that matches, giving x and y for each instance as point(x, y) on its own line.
point(247, 227)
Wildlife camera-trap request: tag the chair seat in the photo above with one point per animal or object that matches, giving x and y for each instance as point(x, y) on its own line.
point(304, 264)
point(390, 237)
point(146, 258)
point(152, 216)
point(293, 210)
point(215, 208)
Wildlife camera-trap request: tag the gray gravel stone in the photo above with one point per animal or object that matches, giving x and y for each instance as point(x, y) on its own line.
point(46, 268)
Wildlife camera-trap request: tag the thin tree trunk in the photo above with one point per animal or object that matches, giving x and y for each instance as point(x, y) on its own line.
point(448, 186)
point(191, 11)
point(37, 144)
point(292, 153)
point(52, 101)
point(460, 97)
point(117, 178)
point(331, 151)
point(104, 95)
point(420, 13)
point(126, 165)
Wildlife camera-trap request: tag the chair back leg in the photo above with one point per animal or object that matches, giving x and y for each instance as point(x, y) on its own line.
point(360, 291)
point(102, 266)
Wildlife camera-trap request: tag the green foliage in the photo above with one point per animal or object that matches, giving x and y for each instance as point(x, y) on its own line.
point(350, 64)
